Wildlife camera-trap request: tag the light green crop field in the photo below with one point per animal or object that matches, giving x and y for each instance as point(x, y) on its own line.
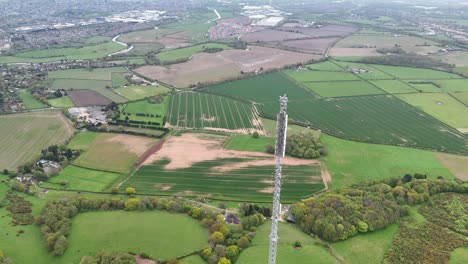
point(83, 179)
point(25, 135)
point(372, 73)
point(458, 85)
point(147, 109)
point(463, 97)
point(91, 74)
point(350, 162)
point(415, 73)
point(82, 140)
point(138, 92)
point(57, 54)
point(366, 248)
point(29, 101)
point(171, 56)
point(318, 76)
point(463, 70)
point(338, 89)
point(394, 86)
point(112, 152)
point(95, 85)
point(118, 79)
point(459, 256)
point(441, 106)
point(62, 102)
point(287, 253)
point(422, 86)
point(249, 143)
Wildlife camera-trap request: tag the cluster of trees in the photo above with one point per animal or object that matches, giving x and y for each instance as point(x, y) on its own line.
point(212, 50)
point(302, 145)
point(394, 50)
point(411, 60)
point(367, 207)
point(226, 241)
point(143, 114)
point(59, 153)
point(105, 257)
point(247, 209)
point(20, 209)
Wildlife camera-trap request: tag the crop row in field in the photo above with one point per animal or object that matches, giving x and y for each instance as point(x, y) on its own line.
point(251, 183)
point(25, 135)
point(202, 110)
point(338, 89)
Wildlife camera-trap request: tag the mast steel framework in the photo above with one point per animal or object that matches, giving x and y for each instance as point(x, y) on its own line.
point(281, 129)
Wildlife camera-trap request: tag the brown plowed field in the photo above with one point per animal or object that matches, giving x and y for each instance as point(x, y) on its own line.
point(315, 46)
point(270, 35)
point(326, 31)
point(88, 98)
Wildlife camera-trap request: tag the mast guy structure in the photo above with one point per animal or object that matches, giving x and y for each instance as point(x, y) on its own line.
point(281, 129)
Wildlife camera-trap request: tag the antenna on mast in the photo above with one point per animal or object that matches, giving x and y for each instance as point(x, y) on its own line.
point(281, 129)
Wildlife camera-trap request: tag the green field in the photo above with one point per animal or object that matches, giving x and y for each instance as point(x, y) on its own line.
point(288, 234)
point(77, 178)
point(394, 86)
point(425, 86)
point(91, 74)
point(463, 70)
point(110, 152)
point(320, 76)
point(324, 66)
point(82, 84)
point(243, 183)
point(340, 88)
point(29, 101)
point(372, 73)
point(415, 73)
point(145, 109)
point(249, 143)
point(366, 248)
point(171, 56)
point(201, 110)
point(459, 256)
point(441, 106)
point(25, 135)
point(138, 92)
point(381, 40)
point(350, 162)
point(458, 85)
point(62, 102)
point(195, 259)
point(462, 97)
point(57, 54)
point(82, 140)
point(377, 119)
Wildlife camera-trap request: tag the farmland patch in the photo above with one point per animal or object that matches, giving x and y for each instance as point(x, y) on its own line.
point(99, 86)
point(338, 89)
point(137, 92)
point(394, 86)
point(83, 179)
point(314, 46)
point(88, 98)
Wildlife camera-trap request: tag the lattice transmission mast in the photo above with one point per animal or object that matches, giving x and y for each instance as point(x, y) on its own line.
point(281, 129)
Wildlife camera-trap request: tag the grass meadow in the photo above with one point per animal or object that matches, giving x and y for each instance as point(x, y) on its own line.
point(459, 256)
point(462, 97)
point(29, 101)
point(287, 253)
point(441, 106)
point(62, 102)
point(25, 135)
point(350, 162)
point(78, 178)
point(138, 92)
point(249, 143)
point(394, 86)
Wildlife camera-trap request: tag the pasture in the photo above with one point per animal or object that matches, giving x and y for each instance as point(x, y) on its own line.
point(57, 54)
point(248, 143)
point(144, 111)
point(320, 76)
point(61, 102)
point(137, 92)
point(409, 73)
point(371, 72)
point(157, 233)
point(394, 86)
point(350, 162)
point(112, 152)
point(82, 179)
point(340, 88)
point(458, 85)
point(462, 97)
point(171, 56)
point(195, 164)
point(203, 110)
point(29, 101)
point(459, 256)
point(287, 253)
point(441, 106)
point(25, 135)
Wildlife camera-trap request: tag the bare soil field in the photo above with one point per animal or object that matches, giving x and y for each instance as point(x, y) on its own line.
point(88, 98)
point(271, 35)
point(174, 41)
point(224, 65)
point(326, 31)
point(315, 46)
point(458, 165)
point(185, 150)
